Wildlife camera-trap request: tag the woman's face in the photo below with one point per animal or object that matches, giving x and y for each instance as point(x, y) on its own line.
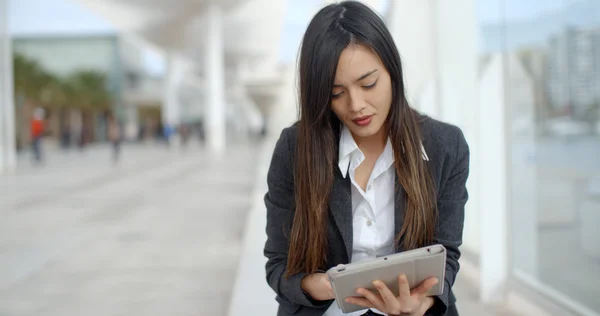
point(362, 91)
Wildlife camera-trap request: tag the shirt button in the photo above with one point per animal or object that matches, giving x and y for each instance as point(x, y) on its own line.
point(369, 223)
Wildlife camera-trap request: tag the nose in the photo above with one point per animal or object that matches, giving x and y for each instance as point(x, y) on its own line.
point(356, 102)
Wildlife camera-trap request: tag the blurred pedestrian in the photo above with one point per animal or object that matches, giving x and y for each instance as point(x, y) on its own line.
point(65, 135)
point(37, 133)
point(184, 132)
point(168, 132)
point(83, 136)
point(201, 132)
point(114, 136)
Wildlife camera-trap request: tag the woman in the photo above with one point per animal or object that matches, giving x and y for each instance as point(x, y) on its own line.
point(361, 174)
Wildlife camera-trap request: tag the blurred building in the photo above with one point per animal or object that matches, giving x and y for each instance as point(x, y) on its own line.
point(64, 56)
point(221, 59)
point(218, 60)
point(574, 70)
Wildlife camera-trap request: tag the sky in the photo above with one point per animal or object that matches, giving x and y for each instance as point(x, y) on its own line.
point(27, 17)
point(60, 16)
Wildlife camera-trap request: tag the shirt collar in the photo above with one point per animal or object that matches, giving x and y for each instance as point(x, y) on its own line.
point(348, 150)
point(347, 147)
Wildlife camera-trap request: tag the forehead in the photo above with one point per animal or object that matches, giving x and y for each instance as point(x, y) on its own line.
point(356, 60)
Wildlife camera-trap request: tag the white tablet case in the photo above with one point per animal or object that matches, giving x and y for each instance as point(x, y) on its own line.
point(418, 265)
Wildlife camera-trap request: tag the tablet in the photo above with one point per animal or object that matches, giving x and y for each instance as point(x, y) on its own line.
point(418, 265)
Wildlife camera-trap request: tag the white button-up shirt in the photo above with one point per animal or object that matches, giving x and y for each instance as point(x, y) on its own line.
point(373, 209)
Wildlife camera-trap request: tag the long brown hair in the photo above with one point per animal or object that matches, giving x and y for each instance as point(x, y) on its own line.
point(331, 30)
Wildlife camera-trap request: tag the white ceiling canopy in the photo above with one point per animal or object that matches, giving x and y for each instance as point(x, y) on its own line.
point(251, 27)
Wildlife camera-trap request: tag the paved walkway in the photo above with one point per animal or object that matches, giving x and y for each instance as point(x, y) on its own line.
point(163, 232)
point(158, 234)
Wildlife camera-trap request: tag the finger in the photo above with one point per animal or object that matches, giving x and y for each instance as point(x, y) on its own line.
point(425, 286)
point(372, 297)
point(403, 286)
point(388, 297)
point(360, 301)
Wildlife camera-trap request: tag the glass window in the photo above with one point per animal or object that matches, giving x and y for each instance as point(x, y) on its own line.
point(552, 62)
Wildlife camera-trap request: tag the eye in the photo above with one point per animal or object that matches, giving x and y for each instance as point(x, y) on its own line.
point(371, 85)
point(336, 95)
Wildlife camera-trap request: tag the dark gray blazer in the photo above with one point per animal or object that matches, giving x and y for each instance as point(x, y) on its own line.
point(448, 154)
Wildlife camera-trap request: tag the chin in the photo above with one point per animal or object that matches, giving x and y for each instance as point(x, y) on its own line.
point(366, 131)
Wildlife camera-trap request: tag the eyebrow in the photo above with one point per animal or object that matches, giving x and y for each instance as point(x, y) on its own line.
point(360, 78)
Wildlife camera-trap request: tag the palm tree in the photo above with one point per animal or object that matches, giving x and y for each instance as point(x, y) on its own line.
point(87, 89)
point(29, 77)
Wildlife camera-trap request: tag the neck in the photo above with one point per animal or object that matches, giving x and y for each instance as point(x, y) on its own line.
point(373, 144)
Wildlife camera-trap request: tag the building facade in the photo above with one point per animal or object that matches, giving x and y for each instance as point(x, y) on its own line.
point(574, 70)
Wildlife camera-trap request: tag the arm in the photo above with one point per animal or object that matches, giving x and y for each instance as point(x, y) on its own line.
point(451, 206)
point(279, 201)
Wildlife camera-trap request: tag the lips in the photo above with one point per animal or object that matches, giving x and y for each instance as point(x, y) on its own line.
point(363, 120)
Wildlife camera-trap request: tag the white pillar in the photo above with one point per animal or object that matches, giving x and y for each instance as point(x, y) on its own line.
point(523, 185)
point(413, 25)
point(457, 64)
point(494, 180)
point(437, 41)
point(171, 108)
point(215, 77)
point(7, 108)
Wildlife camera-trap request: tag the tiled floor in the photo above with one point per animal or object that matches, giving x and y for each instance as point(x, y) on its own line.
point(158, 234)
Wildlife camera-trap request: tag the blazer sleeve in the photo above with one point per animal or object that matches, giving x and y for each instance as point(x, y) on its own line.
point(279, 201)
point(451, 206)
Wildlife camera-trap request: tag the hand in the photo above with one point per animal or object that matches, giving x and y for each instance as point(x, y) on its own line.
point(317, 285)
point(408, 303)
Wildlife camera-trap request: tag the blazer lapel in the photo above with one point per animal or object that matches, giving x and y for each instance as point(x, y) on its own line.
point(341, 209)
point(399, 201)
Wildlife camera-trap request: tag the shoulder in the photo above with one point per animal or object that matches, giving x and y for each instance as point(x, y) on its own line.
point(442, 139)
point(287, 139)
point(289, 134)
point(283, 153)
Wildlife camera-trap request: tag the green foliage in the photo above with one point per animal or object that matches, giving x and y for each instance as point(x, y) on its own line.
point(84, 89)
point(87, 89)
point(29, 77)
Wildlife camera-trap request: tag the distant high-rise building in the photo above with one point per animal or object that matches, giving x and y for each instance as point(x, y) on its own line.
point(573, 81)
